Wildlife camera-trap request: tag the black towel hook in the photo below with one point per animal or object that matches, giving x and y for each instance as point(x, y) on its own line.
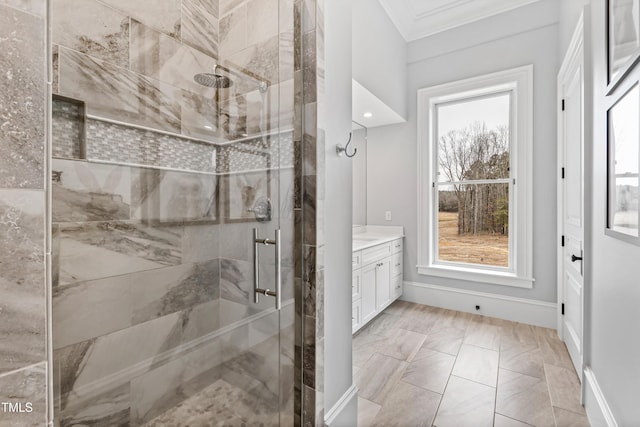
point(340, 149)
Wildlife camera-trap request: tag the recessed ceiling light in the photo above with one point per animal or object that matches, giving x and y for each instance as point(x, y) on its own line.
point(368, 115)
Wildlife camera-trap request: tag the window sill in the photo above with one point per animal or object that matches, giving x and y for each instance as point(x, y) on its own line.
point(477, 275)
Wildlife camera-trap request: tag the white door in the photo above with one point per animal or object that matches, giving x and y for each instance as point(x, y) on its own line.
point(571, 200)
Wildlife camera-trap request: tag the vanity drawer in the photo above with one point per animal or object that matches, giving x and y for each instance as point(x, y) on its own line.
point(396, 264)
point(396, 287)
point(356, 260)
point(376, 253)
point(396, 246)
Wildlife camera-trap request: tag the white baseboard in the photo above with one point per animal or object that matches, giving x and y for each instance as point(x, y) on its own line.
point(595, 403)
point(337, 415)
point(521, 310)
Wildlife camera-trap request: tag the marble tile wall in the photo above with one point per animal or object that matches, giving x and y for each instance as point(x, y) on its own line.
point(308, 203)
point(23, 213)
point(138, 65)
point(312, 203)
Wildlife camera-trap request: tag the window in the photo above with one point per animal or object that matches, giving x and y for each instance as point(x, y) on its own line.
point(474, 210)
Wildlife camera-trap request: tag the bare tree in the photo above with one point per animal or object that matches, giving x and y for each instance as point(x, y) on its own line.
point(476, 153)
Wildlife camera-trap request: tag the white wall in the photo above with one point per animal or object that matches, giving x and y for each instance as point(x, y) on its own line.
point(570, 11)
point(335, 109)
point(614, 350)
point(528, 35)
point(379, 55)
point(359, 163)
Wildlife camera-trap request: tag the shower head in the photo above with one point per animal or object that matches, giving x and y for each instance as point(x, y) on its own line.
point(214, 80)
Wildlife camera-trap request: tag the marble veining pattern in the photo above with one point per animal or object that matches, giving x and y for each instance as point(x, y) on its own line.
point(160, 292)
point(105, 37)
point(22, 307)
point(163, 15)
point(85, 191)
point(169, 196)
point(26, 385)
point(117, 93)
point(22, 88)
point(200, 25)
point(231, 405)
point(89, 251)
point(163, 58)
point(35, 7)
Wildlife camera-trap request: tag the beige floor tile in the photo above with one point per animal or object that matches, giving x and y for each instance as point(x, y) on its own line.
point(408, 405)
point(421, 323)
point(477, 364)
point(394, 391)
point(570, 419)
point(452, 319)
point(466, 404)
point(400, 308)
point(521, 357)
point(364, 346)
point(384, 325)
point(403, 345)
point(524, 398)
point(378, 376)
point(367, 411)
point(430, 370)
point(447, 340)
point(519, 332)
point(502, 421)
point(484, 335)
point(555, 353)
point(564, 388)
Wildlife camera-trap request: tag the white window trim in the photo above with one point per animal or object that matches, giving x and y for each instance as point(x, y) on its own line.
point(520, 80)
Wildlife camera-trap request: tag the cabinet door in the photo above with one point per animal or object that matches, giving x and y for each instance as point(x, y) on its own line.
point(368, 292)
point(383, 283)
point(356, 315)
point(356, 285)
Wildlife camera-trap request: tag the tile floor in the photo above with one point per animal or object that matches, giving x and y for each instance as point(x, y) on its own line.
point(423, 366)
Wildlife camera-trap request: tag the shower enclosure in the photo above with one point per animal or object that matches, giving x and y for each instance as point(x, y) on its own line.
point(173, 186)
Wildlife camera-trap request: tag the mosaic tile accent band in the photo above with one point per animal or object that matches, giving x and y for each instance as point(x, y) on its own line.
point(117, 143)
point(124, 144)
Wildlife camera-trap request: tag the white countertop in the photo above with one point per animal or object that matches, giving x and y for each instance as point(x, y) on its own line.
point(366, 236)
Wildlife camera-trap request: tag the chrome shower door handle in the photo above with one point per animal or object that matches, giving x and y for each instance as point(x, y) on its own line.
point(278, 270)
point(257, 290)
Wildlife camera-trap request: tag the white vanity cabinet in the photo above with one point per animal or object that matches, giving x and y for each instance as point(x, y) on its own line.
point(376, 280)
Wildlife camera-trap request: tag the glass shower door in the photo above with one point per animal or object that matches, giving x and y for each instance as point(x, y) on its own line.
point(172, 142)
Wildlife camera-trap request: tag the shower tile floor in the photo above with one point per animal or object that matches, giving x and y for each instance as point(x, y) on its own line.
point(423, 366)
point(220, 404)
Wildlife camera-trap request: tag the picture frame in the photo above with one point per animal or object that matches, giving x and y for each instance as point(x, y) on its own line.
point(246, 182)
point(623, 162)
point(623, 40)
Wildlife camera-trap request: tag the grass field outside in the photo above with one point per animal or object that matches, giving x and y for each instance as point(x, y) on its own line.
point(490, 249)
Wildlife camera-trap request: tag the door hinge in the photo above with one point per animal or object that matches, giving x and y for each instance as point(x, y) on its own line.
point(562, 173)
point(563, 105)
point(562, 242)
point(563, 309)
